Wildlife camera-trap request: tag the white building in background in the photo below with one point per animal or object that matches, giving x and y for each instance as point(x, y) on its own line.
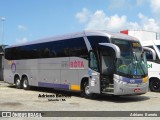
point(142, 34)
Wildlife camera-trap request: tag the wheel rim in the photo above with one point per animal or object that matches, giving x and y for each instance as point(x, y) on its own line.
point(87, 90)
point(25, 83)
point(156, 85)
point(17, 82)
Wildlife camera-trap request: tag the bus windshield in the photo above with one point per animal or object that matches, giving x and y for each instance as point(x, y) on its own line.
point(132, 62)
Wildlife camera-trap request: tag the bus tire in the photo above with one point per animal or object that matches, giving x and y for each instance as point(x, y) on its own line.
point(154, 85)
point(85, 91)
point(18, 83)
point(25, 83)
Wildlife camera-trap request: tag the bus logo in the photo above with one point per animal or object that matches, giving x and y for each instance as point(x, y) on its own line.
point(134, 72)
point(149, 66)
point(132, 81)
point(76, 64)
point(13, 67)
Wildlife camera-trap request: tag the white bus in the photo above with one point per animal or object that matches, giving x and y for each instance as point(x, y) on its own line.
point(91, 62)
point(153, 65)
point(149, 39)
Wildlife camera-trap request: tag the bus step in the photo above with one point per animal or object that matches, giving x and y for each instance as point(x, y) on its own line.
point(111, 85)
point(110, 93)
point(109, 89)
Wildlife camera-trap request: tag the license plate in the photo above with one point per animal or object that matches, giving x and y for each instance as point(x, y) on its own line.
point(137, 90)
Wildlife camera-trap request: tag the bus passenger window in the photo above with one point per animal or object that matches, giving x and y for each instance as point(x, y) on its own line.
point(150, 57)
point(93, 61)
point(46, 53)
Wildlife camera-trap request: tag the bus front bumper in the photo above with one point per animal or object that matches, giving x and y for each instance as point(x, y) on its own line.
point(122, 88)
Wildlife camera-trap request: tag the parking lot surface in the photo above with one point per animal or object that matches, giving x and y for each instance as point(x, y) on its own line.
point(43, 99)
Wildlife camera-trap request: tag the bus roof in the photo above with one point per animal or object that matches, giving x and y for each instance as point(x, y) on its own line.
point(79, 34)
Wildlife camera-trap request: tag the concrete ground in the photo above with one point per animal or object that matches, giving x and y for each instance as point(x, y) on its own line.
point(42, 99)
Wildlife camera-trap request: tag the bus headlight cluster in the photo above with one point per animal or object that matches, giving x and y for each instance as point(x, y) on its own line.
point(145, 80)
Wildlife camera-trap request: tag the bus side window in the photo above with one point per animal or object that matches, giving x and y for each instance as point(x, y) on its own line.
point(149, 55)
point(93, 63)
point(46, 53)
point(53, 53)
point(77, 47)
point(95, 40)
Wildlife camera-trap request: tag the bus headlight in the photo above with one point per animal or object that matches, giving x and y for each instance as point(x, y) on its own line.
point(145, 80)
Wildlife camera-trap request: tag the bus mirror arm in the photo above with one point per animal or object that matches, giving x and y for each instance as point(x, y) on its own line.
point(114, 47)
point(152, 51)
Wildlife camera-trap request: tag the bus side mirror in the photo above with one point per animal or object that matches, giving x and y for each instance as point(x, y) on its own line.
point(114, 47)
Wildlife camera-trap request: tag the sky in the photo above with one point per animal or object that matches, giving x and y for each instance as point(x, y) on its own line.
point(28, 20)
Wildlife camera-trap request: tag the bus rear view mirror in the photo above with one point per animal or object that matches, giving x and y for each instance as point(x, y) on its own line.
point(114, 47)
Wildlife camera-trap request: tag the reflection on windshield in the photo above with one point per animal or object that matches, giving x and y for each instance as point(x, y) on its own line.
point(132, 61)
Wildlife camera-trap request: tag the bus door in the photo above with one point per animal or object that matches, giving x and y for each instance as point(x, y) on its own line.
point(94, 75)
point(101, 67)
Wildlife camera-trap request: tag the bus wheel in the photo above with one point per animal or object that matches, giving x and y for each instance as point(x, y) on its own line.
point(85, 91)
point(18, 83)
point(154, 85)
point(26, 83)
